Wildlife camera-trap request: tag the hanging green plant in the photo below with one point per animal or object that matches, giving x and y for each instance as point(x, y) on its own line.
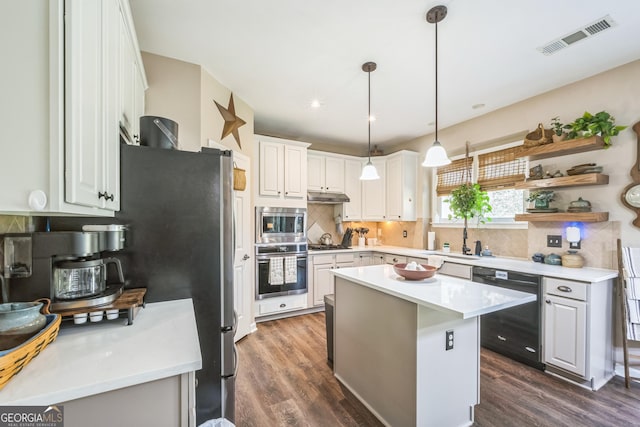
point(468, 201)
point(588, 125)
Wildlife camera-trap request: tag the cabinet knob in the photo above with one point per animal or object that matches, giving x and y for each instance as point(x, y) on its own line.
point(548, 301)
point(101, 195)
point(245, 257)
point(279, 192)
point(106, 196)
point(283, 305)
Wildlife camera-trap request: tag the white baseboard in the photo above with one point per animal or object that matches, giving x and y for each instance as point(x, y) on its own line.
point(633, 372)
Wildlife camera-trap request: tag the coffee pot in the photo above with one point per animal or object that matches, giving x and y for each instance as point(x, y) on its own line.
point(82, 279)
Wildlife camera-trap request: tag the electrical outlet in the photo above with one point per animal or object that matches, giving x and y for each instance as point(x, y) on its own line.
point(448, 345)
point(404, 233)
point(554, 241)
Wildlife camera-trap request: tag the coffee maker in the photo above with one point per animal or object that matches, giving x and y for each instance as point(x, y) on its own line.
point(68, 267)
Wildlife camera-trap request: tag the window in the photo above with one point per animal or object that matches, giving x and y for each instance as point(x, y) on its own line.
point(497, 173)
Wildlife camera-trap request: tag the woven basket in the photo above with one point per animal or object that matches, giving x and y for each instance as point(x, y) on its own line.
point(539, 136)
point(13, 360)
point(239, 178)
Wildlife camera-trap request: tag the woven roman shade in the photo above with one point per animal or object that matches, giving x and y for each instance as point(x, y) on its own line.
point(501, 169)
point(453, 175)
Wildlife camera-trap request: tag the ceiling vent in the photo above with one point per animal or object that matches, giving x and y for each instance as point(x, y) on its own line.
point(580, 34)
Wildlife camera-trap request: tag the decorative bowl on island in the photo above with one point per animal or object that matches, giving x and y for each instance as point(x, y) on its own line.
point(414, 274)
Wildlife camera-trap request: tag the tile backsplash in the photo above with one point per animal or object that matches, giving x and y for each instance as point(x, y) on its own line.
point(13, 224)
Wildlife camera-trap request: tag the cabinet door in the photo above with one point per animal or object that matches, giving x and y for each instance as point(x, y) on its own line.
point(322, 282)
point(565, 334)
point(271, 168)
point(365, 259)
point(83, 102)
point(315, 172)
point(295, 175)
point(377, 259)
point(373, 194)
point(138, 99)
point(394, 186)
point(353, 189)
point(334, 175)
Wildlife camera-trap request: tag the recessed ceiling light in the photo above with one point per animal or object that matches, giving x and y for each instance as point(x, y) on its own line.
point(477, 106)
point(316, 103)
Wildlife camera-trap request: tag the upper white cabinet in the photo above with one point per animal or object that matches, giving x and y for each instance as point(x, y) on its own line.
point(374, 194)
point(283, 173)
point(67, 99)
point(352, 211)
point(401, 175)
point(325, 173)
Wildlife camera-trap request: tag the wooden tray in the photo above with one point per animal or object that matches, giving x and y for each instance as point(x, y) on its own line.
point(130, 300)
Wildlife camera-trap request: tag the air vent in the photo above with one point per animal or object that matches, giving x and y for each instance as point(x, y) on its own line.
point(580, 34)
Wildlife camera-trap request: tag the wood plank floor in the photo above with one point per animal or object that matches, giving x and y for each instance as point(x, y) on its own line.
point(284, 380)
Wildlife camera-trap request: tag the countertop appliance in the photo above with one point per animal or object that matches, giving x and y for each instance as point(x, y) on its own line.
point(68, 267)
point(514, 332)
point(179, 209)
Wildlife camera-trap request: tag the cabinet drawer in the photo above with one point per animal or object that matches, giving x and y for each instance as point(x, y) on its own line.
point(322, 259)
point(456, 270)
point(345, 258)
point(394, 259)
point(278, 305)
point(566, 288)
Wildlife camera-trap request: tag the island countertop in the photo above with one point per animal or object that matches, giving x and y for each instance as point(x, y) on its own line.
point(95, 358)
point(443, 293)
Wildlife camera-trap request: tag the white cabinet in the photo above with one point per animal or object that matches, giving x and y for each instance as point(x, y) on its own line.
point(321, 280)
point(67, 93)
point(325, 173)
point(283, 173)
point(279, 305)
point(364, 259)
point(401, 176)
point(578, 330)
point(352, 211)
point(373, 194)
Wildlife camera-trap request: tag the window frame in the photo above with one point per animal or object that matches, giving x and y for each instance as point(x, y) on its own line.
point(497, 223)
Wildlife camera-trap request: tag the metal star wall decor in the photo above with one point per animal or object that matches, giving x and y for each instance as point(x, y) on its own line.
point(231, 122)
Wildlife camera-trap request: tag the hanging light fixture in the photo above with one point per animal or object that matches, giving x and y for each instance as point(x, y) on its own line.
point(369, 171)
point(436, 154)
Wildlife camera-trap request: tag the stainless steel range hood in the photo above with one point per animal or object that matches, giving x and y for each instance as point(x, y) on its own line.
point(327, 198)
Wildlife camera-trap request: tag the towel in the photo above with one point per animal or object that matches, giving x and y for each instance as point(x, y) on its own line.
point(435, 260)
point(276, 275)
point(630, 260)
point(290, 269)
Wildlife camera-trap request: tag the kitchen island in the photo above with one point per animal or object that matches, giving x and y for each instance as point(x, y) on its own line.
point(108, 373)
point(410, 351)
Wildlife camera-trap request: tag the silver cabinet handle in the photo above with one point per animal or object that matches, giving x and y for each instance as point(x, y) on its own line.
point(530, 350)
point(564, 288)
point(501, 338)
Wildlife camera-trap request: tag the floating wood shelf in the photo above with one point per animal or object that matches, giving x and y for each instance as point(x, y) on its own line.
point(564, 216)
point(562, 148)
point(564, 181)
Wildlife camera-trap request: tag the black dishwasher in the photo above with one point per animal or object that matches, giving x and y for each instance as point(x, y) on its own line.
point(514, 332)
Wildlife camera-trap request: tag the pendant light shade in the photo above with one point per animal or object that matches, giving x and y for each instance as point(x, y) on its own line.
point(436, 154)
point(369, 171)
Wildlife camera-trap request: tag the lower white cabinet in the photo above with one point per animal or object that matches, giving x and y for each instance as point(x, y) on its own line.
point(364, 259)
point(283, 304)
point(321, 280)
point(578, 330)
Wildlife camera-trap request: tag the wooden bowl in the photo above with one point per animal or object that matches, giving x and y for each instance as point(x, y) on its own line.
point(429, 271)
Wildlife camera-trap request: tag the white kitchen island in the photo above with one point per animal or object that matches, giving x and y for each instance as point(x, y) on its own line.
point(390, 343)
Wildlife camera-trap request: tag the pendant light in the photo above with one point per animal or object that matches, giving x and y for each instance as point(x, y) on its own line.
point(369, 171)
point(436, 154)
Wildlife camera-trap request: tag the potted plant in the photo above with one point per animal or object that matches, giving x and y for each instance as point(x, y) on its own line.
point(602, 124)
point(558, 129)
point(468, 201)
point(541, 198)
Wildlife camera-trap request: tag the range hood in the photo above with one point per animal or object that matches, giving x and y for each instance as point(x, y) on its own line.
point(327, 198)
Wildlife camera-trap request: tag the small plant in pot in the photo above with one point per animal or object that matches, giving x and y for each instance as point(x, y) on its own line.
point(602, 124)
point(558, 130)
point(541, 198)
point(466, 202)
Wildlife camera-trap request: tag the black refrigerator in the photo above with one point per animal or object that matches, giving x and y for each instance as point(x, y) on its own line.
point(179, 209)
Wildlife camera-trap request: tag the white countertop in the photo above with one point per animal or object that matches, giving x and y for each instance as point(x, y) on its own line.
point(443, 293)
point(584, 274)
point(98, 357)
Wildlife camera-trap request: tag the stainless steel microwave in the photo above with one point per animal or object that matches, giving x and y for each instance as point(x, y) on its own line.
point(281, 225)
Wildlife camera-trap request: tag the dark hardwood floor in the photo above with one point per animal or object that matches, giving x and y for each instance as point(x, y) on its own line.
point(284, 380)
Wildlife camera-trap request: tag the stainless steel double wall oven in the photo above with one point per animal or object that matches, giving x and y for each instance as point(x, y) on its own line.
point(281, 241)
